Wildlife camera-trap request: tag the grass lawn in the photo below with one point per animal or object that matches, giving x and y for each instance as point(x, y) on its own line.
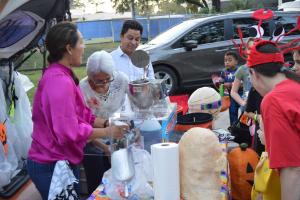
point(36, 62)
point(35, 76)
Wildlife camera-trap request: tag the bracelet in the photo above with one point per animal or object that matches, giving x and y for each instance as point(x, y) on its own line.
point(106, 123)
point(255, 117)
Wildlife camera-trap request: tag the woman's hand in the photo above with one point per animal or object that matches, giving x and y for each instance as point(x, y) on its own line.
point(100, 122)
point(117, 132)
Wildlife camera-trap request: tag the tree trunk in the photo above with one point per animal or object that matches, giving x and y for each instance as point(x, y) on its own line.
point(216, 5)
point(132, 9)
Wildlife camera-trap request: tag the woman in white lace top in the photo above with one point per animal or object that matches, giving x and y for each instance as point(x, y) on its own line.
point(104, 90)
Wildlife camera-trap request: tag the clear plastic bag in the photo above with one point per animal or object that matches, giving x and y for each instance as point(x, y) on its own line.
point(139, 186)
point(18, 132)
point(8, 165)
point(22, 119)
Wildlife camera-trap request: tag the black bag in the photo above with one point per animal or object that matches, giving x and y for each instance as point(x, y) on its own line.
point(241, 132)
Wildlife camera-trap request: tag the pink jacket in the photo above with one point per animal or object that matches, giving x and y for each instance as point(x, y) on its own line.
point(61, 120)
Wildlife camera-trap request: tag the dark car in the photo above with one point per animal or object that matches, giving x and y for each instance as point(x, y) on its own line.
point(189, 53)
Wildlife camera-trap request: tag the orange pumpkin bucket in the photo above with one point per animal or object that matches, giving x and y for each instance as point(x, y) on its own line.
point(191, 120)
point(242, 164)
point(225, 103)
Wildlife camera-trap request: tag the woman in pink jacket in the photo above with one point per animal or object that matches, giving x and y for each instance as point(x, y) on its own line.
point(62, 124)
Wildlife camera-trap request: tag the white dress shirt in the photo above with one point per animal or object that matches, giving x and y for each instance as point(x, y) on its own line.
point(123, 63)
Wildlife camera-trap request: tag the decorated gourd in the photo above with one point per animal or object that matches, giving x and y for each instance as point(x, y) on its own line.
point(242, 164)
point(205, 100)
point(201, 159)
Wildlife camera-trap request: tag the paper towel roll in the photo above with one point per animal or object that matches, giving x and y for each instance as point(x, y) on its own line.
point(165, 159)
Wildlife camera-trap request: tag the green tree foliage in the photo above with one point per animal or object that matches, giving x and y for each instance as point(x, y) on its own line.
point(203, 5)
point(241, 5)
point(82, 3)
point(77, 4)
point(171, 7)
point(141, 7)
point(216, 5)
point(197, 3)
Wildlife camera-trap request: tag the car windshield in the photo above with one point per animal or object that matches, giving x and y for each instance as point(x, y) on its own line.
point(173, 32)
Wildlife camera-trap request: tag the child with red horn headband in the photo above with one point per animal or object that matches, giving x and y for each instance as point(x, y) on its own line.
point(280, 113)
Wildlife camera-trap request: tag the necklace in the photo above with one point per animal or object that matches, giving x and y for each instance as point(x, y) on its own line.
point(105, 96)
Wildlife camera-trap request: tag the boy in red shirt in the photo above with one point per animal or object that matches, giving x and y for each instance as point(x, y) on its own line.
point(280, 113)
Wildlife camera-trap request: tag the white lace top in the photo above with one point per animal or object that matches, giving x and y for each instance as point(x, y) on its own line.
point(104, 105)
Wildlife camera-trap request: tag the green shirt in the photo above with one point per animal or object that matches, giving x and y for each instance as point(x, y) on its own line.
point(243, 75)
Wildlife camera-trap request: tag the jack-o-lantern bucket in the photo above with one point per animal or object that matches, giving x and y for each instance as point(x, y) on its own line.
point(242, 164)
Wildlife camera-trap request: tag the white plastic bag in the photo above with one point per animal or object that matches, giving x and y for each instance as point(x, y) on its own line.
point(25, 82)
point(139, 187)
point(18, 131)
point(8, 164)
point(23, 117)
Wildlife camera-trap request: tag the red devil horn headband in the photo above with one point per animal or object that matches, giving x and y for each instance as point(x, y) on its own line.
point(261, 15)
point(256, 57)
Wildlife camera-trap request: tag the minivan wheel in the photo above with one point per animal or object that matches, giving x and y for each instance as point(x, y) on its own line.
point(164, 72)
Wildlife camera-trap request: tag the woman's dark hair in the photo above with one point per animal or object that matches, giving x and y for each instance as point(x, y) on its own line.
point(271, 69)
point(57, 39)
point(131, 24)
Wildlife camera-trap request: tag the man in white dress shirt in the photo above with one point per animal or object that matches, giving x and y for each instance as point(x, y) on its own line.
point(131, 34)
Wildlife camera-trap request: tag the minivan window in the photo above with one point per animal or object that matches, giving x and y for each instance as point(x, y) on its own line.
point(207, 33)
point(245, 24)
point(173, 32)
point(288, 23)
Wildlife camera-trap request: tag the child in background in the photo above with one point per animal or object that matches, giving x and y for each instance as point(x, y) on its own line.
point(296, 57)
point(227, 75)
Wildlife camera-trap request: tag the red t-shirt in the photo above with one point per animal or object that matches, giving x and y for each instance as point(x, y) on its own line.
point(281, 117)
